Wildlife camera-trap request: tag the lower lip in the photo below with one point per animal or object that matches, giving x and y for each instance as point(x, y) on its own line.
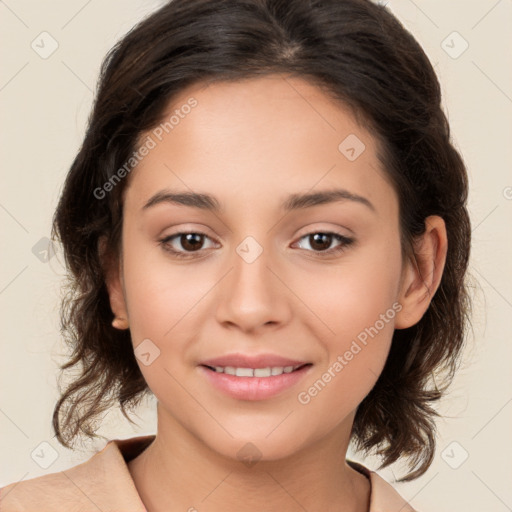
point(253, 388)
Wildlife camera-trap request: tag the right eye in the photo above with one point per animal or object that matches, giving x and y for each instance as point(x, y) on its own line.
point(190, 241)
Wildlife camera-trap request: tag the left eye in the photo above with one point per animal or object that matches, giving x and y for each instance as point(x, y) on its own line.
point(321, 241)
point(192, 242)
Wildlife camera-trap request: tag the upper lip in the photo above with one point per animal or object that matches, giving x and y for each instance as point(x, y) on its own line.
point(252, 361)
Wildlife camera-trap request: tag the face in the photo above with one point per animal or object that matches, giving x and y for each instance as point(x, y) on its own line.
point(254, 270)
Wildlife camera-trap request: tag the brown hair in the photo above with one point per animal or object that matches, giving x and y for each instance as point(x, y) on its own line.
point(360, 54)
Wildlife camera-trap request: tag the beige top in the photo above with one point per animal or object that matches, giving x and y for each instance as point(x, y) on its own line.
point(103, 483)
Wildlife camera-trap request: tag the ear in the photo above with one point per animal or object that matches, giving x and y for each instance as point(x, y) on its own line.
point(422, 273)
point(112, 270)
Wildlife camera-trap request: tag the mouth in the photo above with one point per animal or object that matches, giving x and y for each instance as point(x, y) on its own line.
point(252, 384)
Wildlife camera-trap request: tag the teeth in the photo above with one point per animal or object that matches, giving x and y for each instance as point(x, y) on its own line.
point(256, 372)
point(244, 372)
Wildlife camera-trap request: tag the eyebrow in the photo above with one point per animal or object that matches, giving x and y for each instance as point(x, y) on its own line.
point(293, 202)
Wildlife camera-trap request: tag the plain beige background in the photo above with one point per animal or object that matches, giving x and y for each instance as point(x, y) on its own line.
point(45, 103)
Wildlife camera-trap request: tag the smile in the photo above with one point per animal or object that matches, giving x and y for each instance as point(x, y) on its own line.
point(254, 383)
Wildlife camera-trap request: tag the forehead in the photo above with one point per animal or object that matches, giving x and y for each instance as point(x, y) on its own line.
point(258, 138)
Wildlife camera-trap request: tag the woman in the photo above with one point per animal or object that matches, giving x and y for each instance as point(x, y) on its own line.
point(266, 228)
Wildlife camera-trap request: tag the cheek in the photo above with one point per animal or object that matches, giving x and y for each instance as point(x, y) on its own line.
point(351, 296)
point(161, 296)
point(356, 354)
point(162, 303)
point(357, 305)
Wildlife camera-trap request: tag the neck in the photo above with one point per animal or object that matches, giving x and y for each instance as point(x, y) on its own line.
point(178, 471)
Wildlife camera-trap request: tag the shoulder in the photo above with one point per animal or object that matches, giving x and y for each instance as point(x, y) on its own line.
point(383, 496)
point(82, 488)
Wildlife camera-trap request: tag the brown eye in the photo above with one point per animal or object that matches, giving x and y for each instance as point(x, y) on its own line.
point(191, 241)
point(320, 242)
point(184, 244)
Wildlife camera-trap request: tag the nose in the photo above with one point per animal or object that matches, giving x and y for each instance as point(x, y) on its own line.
point(252, 295)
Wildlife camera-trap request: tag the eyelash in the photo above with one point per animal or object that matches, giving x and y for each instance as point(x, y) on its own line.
point(346, 241)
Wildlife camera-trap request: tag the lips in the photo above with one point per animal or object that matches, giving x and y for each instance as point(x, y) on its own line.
point(243, 387)
point(255, 376)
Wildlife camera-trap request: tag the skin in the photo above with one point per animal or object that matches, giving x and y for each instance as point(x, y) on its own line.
point(250, 144)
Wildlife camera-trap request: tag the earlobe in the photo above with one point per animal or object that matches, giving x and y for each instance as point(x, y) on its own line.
point(120, 323)
point(113, 282)
point(423, 273)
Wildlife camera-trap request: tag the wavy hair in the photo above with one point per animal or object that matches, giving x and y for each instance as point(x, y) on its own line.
point(360, 55)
